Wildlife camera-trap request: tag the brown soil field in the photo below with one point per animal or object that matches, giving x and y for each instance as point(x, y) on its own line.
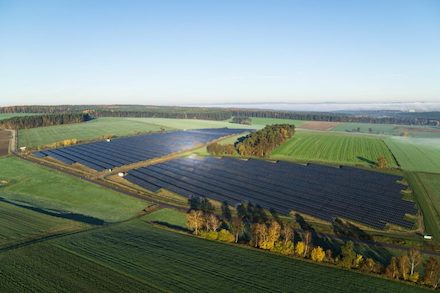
point(5, 136)
point(319, 125)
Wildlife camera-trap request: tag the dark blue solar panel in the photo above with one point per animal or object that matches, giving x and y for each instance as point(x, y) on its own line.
point(124, 151)
point(325, 192)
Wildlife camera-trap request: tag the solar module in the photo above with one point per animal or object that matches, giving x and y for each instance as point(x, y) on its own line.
point(325, 192)
point(128, 150)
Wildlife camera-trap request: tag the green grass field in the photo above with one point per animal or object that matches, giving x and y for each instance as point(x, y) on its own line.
point(18, 224)
point(136, 256)
point(390, 129)
point(333, 148)
point(416, 154)
point(426, 187)
point(168, 216)
point(271, 121)
point(94, 129)
point(387, 129)
point(190, 123)
point(40, 187)
point(101, 127)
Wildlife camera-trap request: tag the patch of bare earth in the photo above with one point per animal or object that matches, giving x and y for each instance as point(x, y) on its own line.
point(319, 125)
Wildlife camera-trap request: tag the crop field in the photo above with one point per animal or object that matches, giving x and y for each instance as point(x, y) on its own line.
point(191, 123)
point(426, 187)
point(40, 187)
point(18, 224)
point(94, 129)
point(319, 125)
point(270, 121)
point(320, 191)
point(390, 129)
point(128, 150)
point(416, 154)
point(334, 148)
point(135, 256)
point(387, 129)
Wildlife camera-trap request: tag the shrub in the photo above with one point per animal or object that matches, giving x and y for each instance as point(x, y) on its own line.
point(225, 236)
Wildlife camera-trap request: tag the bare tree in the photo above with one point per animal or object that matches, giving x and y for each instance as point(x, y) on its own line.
point(415, 258)
point(287, 232)
point(237, 227)
point(195, 221)
point(212, 222)
point(307, 238)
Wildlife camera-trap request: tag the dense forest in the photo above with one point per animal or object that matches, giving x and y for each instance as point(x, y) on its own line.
point(386, 117)
point(258, 144)
point(23, 122)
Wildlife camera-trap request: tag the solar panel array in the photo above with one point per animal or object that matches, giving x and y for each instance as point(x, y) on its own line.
point(123, 151)
point(324, 192)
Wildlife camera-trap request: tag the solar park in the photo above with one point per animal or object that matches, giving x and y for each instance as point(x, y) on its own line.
point(321, 191)
point(104, 155)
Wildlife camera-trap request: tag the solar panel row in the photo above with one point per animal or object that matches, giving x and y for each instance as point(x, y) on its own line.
point(321, 191)
point(123, 151)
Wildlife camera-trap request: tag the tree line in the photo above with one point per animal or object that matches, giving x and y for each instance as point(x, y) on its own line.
point(258, 144)
point(23, 122)
point(241, 120)
point(253, 226)
point(385, 117)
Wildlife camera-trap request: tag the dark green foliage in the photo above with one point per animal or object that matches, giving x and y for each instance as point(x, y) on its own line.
point(33, 121)
point(226, 212)
point(242, 120)
point(385, 117)
point(264, 141)
point(201, 204)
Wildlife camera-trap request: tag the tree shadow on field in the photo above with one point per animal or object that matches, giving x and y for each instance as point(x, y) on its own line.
point(347, 231)
point(57, 213)
point(318, 239)
point(374, 163)
point(171, 226)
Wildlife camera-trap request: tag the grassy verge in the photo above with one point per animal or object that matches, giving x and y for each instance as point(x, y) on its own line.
point(40, 187)
point(426, 189)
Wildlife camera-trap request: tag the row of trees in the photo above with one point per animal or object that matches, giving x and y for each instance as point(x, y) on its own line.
point(427, 118)
point(262, 142)
point(259, 143)
point(23, 122)
point(242, 120)
point(387, 117)
point(254, 227)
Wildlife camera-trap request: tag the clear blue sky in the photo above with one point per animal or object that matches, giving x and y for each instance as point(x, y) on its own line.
point(177, 52)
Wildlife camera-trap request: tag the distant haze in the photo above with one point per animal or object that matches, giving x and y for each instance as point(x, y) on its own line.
point(326, 107)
